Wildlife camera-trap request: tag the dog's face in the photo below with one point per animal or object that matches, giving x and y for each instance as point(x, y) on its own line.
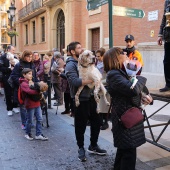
point(43, 86)
point(10, 56)
point(86, 58)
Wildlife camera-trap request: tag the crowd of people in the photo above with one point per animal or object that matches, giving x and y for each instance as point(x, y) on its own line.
point(23, 84)
point(23, 80)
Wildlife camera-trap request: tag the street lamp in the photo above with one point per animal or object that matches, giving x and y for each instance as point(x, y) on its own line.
point(11, 15)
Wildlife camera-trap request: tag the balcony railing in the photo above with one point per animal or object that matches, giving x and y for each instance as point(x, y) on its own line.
point(31, 7)
point(3, 26)
point(4, 39)
point(3, 8)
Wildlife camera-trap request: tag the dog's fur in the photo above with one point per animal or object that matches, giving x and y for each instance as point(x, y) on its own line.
point(13, 61)
point(88, 71)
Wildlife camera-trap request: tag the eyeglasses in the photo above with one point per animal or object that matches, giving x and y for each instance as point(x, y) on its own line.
point(123, 53)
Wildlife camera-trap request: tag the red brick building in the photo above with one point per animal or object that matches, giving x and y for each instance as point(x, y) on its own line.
point(44, 24)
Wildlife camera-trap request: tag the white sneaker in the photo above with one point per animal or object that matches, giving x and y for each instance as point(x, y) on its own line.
point(41, 137)
point(15, 110)
point(29, 137)
point(9, 113)
point(2, 91)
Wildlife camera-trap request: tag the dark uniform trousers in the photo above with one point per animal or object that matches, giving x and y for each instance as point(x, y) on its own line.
point(166, 62)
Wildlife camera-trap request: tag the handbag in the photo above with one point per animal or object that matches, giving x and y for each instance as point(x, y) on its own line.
point(131, 117)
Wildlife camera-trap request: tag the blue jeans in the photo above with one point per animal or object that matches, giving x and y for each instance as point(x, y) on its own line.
point(23, 114)
point(38, 115)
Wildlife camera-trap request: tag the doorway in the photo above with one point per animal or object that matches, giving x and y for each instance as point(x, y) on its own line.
point(95, 39)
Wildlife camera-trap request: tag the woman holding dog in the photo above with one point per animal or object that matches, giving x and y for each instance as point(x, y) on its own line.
point(126, 140)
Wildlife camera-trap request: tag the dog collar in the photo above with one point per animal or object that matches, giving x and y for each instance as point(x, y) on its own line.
point(86, 66)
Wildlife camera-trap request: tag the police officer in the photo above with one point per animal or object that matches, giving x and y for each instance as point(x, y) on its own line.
point(164, 34)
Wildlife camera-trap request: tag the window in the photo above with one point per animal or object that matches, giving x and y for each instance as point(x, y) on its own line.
point(42, 29)
point(61, 31)
point(33, 32)
point(26, 34)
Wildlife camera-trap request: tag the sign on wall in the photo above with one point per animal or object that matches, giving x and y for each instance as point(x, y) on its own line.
point(153, 15)
point(93, 4)
point(128, 12)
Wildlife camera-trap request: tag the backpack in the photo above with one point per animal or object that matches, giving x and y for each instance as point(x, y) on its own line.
point(20, 96)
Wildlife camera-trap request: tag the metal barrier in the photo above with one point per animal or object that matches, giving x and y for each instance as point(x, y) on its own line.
point(165, 97)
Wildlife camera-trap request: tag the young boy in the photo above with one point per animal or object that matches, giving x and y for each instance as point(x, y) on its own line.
point(32, 106)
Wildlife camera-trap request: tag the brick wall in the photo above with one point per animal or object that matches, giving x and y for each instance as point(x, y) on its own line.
point(140, 28)
point(80, 18)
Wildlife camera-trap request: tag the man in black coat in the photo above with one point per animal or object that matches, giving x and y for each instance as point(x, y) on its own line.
point(161, 37)
point(4, 68)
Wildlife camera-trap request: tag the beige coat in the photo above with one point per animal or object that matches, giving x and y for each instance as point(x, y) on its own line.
point(102, 105)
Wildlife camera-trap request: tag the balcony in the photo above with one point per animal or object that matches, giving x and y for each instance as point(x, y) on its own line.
point(33, 9)
point(4, 40)
point(3, 26)
point(3, 8)
point(51, 2)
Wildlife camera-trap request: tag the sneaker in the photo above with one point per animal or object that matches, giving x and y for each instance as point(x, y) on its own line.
point(15, 110)
point(2, 91)
point(164, 89)
point(54, 98)
point(57, 104)
point(65, 112)
point(104, 126)
point(41, 137)
point(23, 127)
point(10, 113)
point(81, 156)
point(71, 114)
point(29, 137)
point(96, 150)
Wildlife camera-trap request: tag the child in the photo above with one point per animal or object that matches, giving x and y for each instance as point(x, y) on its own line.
point(32, 106)
point(47, 65)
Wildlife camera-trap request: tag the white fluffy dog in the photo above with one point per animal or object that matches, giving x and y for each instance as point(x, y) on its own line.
point(11, 59)
point(88, 71)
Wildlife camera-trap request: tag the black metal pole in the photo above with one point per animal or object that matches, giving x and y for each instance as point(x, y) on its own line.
point(110, 24)
point(11, 29)
point(49, 92)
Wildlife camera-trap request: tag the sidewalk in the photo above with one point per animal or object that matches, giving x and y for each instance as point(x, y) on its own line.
point(60, 151)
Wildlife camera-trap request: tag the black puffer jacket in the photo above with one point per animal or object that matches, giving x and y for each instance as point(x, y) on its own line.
point(122, 99)
point(4, 67)
point(163, 22)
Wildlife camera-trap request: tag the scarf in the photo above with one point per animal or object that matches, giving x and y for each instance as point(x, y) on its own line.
point(130, 50)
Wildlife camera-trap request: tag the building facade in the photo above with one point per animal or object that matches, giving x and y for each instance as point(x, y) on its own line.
point(44, 24)
point(4, 38)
